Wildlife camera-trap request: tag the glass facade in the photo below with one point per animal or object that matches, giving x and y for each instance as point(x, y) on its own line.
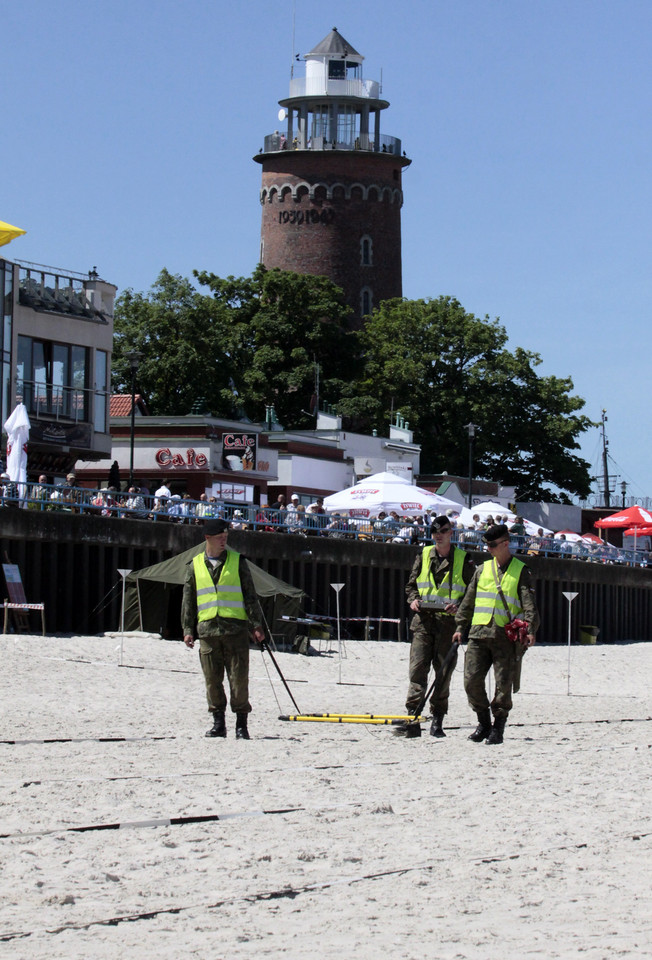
point(52, 378)
point(6, 319)
point(101, 394)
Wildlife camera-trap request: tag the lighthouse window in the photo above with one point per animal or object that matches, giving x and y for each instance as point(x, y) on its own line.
point(336, 70)
point(346, 119)
point(366, 252)
point(320, 118)
point(366, 304)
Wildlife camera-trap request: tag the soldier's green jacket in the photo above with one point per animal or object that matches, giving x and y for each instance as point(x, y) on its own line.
point(219, 626)
point(464, 614)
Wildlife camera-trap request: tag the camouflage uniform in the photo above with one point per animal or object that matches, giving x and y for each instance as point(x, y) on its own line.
point(432, 636)
point(223, 641)
point(488, 646)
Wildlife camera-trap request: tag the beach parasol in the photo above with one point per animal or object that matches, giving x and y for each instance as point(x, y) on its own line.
point(635, 518)
point(9, 233)
point(17, 429)
point(386, 492)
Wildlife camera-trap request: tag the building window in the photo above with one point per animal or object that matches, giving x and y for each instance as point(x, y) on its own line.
point(320, 121)
point(6, 295)
point(101, 394)
point(366, 301)
point(366, 252)
point(52, 378)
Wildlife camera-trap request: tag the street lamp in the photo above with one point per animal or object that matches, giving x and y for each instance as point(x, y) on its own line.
point(133, 357)
point(623, 490)
point(471, 427)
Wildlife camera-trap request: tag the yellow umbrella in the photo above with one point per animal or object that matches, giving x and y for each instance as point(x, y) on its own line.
point(9, 233)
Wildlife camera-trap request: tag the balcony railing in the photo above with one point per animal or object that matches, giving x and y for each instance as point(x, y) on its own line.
point(276, 142)
point(56, 400)
point(323, 87)
point(55, 293)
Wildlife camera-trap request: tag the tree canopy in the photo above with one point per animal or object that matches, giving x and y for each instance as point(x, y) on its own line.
point(253, 342)
point(250, 343)
point(444, 368)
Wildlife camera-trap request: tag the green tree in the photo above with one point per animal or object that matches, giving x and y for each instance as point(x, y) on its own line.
point(281, 324)
point(180, 334)
point(443, 368)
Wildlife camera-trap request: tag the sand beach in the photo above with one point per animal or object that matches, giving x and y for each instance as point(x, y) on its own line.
point(126, 833)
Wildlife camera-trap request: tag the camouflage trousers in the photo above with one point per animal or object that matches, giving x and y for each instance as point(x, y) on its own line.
point(505, 657)
point(431, 643)
point(229, 652)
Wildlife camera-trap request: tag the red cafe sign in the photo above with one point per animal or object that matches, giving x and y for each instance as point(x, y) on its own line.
point(165, 458)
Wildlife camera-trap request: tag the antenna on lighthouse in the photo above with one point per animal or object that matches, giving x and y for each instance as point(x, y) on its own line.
point(294, 17)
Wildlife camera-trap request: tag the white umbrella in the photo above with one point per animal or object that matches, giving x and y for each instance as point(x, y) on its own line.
point(386, 492)
point(17, 429)
point(486, 509)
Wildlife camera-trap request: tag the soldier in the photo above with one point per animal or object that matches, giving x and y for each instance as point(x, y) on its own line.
point(440, 574)
point(499, 592)
point(220, 603)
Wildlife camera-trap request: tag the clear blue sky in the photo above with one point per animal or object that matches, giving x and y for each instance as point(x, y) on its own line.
point(129, 128)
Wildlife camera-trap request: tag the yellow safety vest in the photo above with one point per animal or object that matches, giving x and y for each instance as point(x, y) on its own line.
point(488, 603)
point(225, 599)
point(426, 582)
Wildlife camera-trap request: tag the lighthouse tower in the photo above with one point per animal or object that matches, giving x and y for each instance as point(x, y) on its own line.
point(331, 191)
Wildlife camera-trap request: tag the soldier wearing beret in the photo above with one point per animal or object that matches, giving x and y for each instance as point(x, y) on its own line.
point(439, 576)
point(499, 592)
point(220, 606)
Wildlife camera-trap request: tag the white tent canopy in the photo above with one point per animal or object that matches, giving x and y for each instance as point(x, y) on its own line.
point(386, 492)
point(486, 509)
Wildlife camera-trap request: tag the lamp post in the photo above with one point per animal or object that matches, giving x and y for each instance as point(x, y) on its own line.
point(134, 359)
point(471, 427)
point(623, 490)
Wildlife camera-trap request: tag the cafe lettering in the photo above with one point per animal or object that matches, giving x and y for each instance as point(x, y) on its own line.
point(166, 458)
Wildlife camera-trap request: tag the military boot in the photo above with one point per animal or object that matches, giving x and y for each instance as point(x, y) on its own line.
point(241, 731)
point(483, 728)
point(497, 731)
point(219, 725)
point(436, 727)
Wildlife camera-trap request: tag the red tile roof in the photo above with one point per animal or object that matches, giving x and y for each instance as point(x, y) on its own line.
point(120, 405)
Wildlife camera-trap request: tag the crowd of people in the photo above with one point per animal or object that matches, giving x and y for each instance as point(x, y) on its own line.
point(295, 517)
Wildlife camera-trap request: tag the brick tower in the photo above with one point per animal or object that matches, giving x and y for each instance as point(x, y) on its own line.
point(331, 192)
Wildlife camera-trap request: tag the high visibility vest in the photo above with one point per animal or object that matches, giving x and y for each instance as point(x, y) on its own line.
point(426, 582)
point(488, 603)
point(225, 599)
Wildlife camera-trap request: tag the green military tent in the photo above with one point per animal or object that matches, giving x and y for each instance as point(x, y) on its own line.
point(152, 599)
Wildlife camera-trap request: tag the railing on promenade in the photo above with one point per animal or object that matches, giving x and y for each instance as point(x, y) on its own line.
point(106, 502)
point(69, 561)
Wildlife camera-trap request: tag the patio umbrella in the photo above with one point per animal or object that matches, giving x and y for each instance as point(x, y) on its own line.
point(386, 492)
point(635, 517)
point(487, 508)
point(9, 233)
point(17, 429)
point(569, 535)
point(591, 538)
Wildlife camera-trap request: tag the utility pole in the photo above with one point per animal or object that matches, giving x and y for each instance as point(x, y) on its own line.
point(605, 464)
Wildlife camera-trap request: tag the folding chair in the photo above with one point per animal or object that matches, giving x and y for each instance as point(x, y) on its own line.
point(17, 601)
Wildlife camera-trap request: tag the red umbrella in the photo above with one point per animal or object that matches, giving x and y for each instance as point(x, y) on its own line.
point(631, 517)
point(591, 538)
point(638, 531)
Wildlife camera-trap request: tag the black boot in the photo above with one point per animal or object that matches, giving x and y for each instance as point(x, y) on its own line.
point(483, 728)
point(497, 731)
point(219, 725)
point(436, 727)
point(412, 730)
point(241, 731)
